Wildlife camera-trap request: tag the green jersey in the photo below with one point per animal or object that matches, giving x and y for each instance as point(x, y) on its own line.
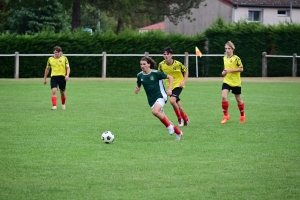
point(153, 85)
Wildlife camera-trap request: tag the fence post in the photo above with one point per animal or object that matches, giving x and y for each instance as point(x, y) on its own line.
point(104, 65)
point(146, 54)
point(186, 59)
point(264, 65)
point(17, 58)
point(294, 65)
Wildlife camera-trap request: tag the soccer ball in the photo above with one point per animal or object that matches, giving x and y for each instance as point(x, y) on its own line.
point(107, 137)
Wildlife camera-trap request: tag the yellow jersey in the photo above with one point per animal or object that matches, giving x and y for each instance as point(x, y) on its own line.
point(234, 78)
point(175, 70)
point(58, 65)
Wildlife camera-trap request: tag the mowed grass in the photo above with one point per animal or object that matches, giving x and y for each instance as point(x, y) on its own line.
point(58, 154)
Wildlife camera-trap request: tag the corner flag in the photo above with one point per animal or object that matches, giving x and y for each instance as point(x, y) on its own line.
point(198, 52)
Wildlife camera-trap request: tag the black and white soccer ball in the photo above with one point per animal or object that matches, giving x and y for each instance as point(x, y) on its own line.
point(107, 137)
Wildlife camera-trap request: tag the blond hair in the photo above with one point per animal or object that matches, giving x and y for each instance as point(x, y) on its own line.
point(230, 44)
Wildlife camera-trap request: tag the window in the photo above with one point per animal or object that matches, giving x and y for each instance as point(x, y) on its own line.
point(254, 16)
point(283, 13)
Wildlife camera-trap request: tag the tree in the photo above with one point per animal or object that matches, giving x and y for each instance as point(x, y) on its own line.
point(29, 19)
point(124, 11)
point(174, 10)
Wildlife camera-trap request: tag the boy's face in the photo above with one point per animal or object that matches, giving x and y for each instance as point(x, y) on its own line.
point(144, 65)
point(229, 50)
point(56, 54)
point(167, 56)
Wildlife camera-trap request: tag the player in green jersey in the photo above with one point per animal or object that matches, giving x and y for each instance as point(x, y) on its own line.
point(180, 74)
point(60, 71)
point(152, 81)
point(232, 81)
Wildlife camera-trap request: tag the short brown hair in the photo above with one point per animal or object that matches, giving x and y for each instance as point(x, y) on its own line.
point(57, 48)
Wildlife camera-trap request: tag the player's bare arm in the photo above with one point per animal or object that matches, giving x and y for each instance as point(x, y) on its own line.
point(68, 73)
point(169, 92)
point(137, 89)
point(226, 71)
point(185, 76)
point(46, 74)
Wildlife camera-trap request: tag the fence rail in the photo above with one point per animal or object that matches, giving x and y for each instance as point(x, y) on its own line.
point(265, 64)
point(186, 56)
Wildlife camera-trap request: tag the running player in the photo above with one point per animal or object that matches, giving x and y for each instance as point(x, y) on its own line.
point(232, 81)
point(180, 74)
point(152, 81)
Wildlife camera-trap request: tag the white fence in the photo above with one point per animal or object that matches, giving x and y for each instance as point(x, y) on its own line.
point(265, 64)
point(186, 56)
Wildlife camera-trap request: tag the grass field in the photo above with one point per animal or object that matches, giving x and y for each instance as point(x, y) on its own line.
point(58, 154)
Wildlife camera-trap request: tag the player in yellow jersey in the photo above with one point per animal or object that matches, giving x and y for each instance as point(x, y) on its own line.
point(180, 74)
point(232, 81)
point(60, 71)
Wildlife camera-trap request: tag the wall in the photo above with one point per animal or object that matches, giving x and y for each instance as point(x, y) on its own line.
point(210, 10)
point(204, 16)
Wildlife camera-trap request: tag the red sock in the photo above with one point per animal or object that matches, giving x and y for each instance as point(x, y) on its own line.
point(225, 106)
point(165, 121)
point(177, 130)
point(177, 112)
point(53, 99)
point(63, 100)
point(241, 107)
point(185, 118)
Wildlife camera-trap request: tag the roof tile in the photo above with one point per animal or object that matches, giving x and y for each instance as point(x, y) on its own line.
point(265, 2)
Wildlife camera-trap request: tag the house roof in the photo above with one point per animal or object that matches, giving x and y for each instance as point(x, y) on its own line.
point(265, 3)
point(157, 26)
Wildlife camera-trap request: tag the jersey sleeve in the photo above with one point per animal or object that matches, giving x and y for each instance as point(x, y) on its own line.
point(138, 82)
point(67, 62)
point(182, 67)
point(48, 63)
point(239, 62)
point(159, 67)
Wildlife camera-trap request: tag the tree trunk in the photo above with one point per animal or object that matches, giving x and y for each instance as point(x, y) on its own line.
point(120, 26)
point(76, 21)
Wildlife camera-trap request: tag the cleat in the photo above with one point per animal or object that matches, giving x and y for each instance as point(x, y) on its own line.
point(63, 106)
point(53, 108)
point(225, 118)
point(242, 119)
point(178, 136)
point(186, 123)
point(171, 129)
point(180, 122)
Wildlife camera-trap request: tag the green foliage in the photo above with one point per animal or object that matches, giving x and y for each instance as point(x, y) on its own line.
point(128, 42)
point(29, 20)
point(90, 18)
point(250, 39)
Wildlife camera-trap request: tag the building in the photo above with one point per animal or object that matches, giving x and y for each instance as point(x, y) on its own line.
point(158, 26)
point(265, 11)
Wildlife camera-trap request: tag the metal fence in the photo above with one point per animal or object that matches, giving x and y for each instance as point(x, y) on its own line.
point(186, 56)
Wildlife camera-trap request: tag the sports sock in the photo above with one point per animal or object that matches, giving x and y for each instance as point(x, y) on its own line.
point(177, 112)
point(185, 118)
point(53, 99)
point(225, 106)
point(177, 130)
point(241, 107)
point(165, 121)
point(63, 100)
